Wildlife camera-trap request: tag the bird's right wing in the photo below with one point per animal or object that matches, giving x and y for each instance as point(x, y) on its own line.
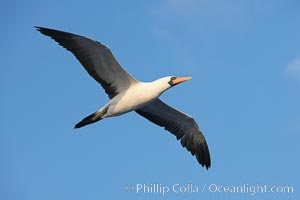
point(96, 58)
point(181, 125)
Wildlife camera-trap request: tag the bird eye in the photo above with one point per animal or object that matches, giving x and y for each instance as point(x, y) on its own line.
point(173, 78)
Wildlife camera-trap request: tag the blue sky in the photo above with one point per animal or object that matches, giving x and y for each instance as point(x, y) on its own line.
point(244, 58)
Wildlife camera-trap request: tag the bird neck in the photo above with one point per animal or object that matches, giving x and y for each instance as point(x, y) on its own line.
point(160, 86)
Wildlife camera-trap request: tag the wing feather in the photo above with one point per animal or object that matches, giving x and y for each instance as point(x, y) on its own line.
point(181, 125)
point(96, 58)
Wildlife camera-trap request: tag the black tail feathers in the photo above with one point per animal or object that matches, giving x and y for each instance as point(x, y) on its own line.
point(97, 116)
point(88, 120)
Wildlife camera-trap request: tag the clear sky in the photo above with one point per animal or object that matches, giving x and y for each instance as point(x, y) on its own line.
point(244, 57)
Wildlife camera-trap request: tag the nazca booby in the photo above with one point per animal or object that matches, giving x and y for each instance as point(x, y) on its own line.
point(127, 94)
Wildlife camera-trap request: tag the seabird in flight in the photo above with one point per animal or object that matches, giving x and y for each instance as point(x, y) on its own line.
point(128, 94)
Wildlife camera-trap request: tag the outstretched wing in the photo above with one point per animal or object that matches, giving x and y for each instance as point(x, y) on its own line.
point(96, 58)
point(181, 125)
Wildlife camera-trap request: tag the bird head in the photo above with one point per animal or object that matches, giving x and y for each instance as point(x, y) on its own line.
point(163, 84)
point(173, 80)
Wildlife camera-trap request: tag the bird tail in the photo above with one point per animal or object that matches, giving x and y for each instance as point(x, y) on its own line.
point(96, 116)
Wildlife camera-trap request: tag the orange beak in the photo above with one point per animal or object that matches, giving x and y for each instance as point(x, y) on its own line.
point(181, 79)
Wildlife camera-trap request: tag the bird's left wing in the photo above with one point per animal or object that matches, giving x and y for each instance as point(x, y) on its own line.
point(181, 125)
point(96, 58)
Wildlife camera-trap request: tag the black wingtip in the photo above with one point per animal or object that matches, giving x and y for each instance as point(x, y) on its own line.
point(207, 160)
point(203, 156)
point(38, 28)
point(207, 165)
point(45, 31)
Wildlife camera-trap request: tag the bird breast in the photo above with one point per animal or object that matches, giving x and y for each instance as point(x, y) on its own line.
point(135, 97)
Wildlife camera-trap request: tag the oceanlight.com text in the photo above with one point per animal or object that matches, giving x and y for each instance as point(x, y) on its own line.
point(190, 188)
point(249, 189)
